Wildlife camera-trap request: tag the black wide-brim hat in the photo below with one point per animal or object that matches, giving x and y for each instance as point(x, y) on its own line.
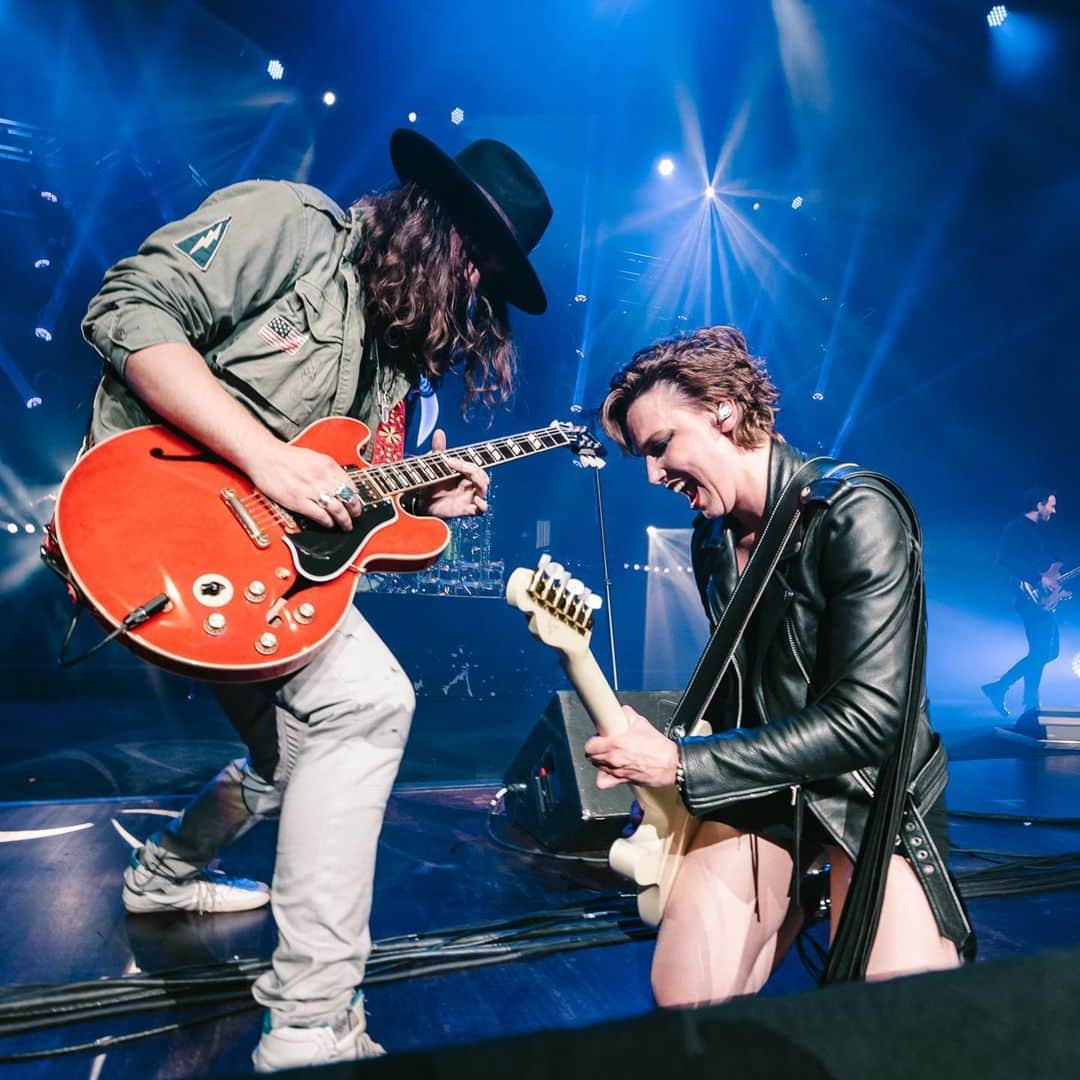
point(493, 198)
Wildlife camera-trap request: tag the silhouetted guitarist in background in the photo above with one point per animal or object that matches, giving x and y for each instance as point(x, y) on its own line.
point(1025, 554)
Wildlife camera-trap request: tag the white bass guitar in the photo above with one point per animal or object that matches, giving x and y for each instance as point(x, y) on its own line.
point(560, 612)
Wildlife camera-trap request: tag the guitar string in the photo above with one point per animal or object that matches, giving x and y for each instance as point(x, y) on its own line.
point(377, 471)
point(261, 507)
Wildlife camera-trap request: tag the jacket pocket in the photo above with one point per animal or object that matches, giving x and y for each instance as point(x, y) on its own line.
point(325, 320)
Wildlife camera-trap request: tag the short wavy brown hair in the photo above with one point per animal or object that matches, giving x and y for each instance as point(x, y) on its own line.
point(709, 366)
point(418, 298)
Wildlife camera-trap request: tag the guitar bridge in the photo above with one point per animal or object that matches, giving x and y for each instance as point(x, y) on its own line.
point(245, 517)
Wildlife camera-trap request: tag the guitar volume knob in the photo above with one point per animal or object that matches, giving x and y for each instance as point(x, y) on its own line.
point(305, 612)
point(266, 643)
point(255, 592)
point(215, 624)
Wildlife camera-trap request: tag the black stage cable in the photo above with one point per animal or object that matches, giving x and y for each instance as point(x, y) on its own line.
point(497, 798)
point(110, 1042)
point(610, 919)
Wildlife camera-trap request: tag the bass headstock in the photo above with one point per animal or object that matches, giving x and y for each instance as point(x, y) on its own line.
point(560, 609)
point(589, 449)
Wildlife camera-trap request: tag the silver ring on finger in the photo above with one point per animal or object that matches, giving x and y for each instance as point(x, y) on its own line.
point(345, 494)
point(325, 499)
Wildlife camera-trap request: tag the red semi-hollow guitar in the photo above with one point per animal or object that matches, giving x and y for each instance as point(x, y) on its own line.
point(240, 589)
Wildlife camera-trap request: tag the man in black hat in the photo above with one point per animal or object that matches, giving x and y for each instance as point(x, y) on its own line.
point(264, 310)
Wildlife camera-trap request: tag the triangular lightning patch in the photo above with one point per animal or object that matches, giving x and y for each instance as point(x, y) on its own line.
point(201, 247)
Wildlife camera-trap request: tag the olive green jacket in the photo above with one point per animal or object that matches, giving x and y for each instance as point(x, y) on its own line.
point(260, 279)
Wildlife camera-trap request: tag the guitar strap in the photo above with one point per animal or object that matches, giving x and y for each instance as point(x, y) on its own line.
point(716, 658)
point(389, 438)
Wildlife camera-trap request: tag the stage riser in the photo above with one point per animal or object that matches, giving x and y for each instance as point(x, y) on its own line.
point(1007, 1020)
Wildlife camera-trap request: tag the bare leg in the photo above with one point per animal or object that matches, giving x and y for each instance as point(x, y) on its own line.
point(712, 944)
point(908, 939)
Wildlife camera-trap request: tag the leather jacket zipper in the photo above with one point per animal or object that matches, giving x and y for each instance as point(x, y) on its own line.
point(738, 693)
point(738, 796)
point(795, 650)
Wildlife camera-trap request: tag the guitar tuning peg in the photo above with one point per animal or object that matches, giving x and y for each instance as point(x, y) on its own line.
point(556, 571)
point(575, 587)
point(543, 561)
point(595, 602)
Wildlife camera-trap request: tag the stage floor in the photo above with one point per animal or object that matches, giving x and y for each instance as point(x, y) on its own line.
point(438, 867)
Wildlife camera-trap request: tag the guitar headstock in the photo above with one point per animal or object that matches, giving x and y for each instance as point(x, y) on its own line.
point(589, 449)
point(560, 608)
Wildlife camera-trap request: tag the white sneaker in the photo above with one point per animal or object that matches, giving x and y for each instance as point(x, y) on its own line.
point(146, 892)
point(295, 1047)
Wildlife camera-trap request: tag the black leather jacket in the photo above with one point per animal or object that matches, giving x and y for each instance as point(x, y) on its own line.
point(816, 695)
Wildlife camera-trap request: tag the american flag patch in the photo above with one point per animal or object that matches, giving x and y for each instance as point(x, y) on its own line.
point(280, 334)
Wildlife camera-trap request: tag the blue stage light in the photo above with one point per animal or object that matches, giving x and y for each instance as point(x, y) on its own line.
point(580, 298)
point(33, 401)
point(329, 97)
point(42, 264)
point(12, 527)
point(412, 118)
point(710, 192)
point(1076, 665)
point(276, 70)
point(48, 196)
point(457, 116)
point(42, 334)
point(796, 202)
point(997, 15)
point(665, 166)
point(756, 206)
point(817, 395)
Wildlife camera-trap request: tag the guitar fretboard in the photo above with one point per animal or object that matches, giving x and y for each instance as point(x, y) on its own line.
point(381, 481)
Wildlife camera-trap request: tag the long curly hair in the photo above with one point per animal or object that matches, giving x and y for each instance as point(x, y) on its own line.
point(418, 298)
point(708, 366)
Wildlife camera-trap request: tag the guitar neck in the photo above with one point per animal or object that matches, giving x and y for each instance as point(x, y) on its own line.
point(595, 692)
point(1068, 575)
point(377, 483)
point(607, 716)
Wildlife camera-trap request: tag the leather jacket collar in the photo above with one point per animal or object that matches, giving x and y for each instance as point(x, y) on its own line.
point(719, 535)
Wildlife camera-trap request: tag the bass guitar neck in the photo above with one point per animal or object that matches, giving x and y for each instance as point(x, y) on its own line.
point(560, 613)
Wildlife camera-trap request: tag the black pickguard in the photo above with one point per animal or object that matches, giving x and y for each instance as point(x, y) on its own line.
point(322, 554)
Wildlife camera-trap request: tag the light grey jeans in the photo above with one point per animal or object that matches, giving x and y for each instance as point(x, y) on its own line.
point(340, 727)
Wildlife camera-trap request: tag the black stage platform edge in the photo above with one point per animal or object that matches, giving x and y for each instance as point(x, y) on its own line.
point(997, 1021)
